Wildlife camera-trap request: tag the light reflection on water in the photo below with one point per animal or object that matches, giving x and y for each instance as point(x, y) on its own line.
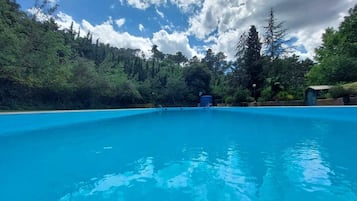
point(197, 178)
point(185, 156)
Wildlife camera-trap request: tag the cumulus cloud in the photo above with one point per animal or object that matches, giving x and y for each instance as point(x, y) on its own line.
point(187, 6)
point(143, 4)
point(38, 13)
point(217, 14)
point(120, 22)
point(106, 33)
point(217, 24)
point(221, 22)
point(172, 43)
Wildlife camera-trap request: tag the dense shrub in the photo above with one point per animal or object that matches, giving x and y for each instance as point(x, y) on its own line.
point(242, 95)
point(229, 100)
point(339, 91)
point(284, 96)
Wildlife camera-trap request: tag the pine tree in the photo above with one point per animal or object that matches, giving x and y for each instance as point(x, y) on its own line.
point(249, 69)
point(252, 58)
point(274, 37)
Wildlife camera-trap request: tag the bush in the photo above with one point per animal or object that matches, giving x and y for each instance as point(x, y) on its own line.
point(284, 96)
point(265, 94)
point(229, 100)
point(242, 95)
point(339, 91)
point(351, 87)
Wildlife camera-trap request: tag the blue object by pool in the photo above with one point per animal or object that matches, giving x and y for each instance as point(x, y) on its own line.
point(206, 101)
point(249, 154)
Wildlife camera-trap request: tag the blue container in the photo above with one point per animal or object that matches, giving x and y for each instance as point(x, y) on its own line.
point(206, 101)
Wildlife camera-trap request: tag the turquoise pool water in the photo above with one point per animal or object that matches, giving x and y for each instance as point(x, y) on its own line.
point(216, 154)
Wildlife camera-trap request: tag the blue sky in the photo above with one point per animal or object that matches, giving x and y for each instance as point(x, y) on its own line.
point(193, 26)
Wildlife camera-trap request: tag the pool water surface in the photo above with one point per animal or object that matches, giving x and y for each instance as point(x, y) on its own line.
point(183, 155)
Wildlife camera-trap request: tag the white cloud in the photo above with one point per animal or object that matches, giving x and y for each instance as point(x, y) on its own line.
point(217, 14)
point(141, 27)
point(143, 4)
point(120, 22)
point(308, 40)
point(187, 6)
point(218, 23)
point(38, 13)
point(226, 42)
point(65, 21)
point(110, 20)
point(106, 33)
point(221, 22)
point(172, 43)
point(161, 14)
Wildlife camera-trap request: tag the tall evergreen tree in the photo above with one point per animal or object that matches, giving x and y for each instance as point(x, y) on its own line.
point(274, 38)
point(252, 58)
point(249, 61)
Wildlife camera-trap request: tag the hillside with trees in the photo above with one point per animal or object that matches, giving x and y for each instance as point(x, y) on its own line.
point(43, 67)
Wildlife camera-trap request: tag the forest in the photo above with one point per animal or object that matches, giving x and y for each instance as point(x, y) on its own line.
point(44, 67)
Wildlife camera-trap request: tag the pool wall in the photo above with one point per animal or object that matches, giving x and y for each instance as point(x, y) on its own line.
point(344, 113)
point(27, 121)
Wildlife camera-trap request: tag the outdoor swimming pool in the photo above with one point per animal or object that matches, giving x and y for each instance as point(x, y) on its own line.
point(216, 154)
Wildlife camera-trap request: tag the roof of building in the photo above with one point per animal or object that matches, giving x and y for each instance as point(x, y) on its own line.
point(319, 87)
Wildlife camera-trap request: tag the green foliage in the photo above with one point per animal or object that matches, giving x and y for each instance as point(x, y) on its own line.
point(197, 78)
point(333, 69)
point(42, 67)
point(266, 94)
point(339, 91)
point(290, 73)
point(249, 60)
point(337, 57)
point(344, 90)
point(284, 96)
point(352, 87)
point(242, 95)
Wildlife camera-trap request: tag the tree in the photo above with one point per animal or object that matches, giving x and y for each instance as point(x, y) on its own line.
point(216, 64)
point(274, 38)
point(178, 57)
point(250, 67)
point(286, 75)
point(337, 56)
point(156, 53)
point(44, 6)
point(197, 78)
point(252, 58)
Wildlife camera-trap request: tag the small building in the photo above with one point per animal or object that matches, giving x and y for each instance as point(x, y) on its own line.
point(313, 92)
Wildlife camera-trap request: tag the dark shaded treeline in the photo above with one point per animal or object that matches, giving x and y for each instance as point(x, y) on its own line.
point(42, 67)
